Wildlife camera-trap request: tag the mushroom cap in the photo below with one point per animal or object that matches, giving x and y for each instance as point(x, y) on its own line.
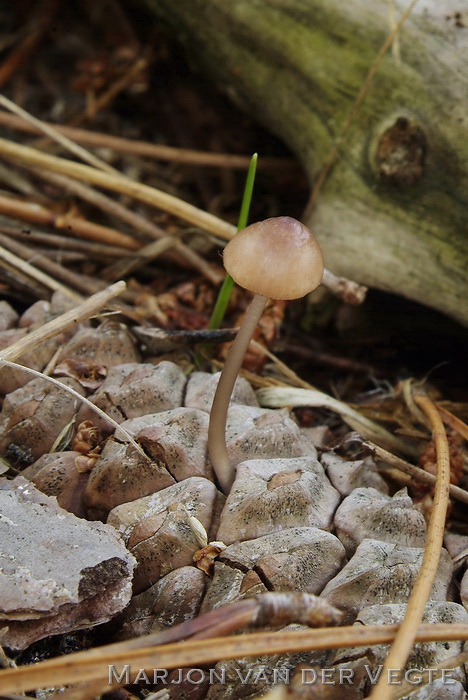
point(277, 258)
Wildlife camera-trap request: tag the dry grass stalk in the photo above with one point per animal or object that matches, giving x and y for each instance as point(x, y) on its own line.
point(32, 272)
point(146, 254)
point(406, 635)
point(103, 202)
point(279, 397)
point(118, 183)
point(137, 221)
point(85, 310)
point(122, 432)
point(283, 368)
point(38, 214)
point(141, 224)
point(150, 195)
point(151, 150)
point(53, 268)
point(93, 665)
point(59, 138)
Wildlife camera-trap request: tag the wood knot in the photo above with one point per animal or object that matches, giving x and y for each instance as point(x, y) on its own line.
point(401, 153)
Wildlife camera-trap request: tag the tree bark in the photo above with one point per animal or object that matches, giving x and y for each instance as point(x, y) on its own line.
point(393, 211)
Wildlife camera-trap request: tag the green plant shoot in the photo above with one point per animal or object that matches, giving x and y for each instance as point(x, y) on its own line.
point(225, 292)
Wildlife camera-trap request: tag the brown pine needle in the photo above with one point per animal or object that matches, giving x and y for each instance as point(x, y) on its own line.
point(52, 133)
point(453, 421)
point(13, 261)
point(450, 663)
point(140, 223)
point(93, 665)
point(152, 150)
point(150, 195)
point(415, 472)
point(32, 212)
point(118, 183)
point(407, 632)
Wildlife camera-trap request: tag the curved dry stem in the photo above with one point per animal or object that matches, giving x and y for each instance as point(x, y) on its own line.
point(279, 397)
point(407, 631)
point(218, 415)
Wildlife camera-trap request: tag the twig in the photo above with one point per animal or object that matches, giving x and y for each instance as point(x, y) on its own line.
point(413, 471)
point(33, 212)
point(34, 273)
point(273, 609)
point(50, 267)
point(93, 665)
point(407, 631)
point(351, 292)
point(152, 150)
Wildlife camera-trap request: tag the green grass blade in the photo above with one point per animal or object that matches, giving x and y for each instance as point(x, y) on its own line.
point(225, 292)
point(248, 189)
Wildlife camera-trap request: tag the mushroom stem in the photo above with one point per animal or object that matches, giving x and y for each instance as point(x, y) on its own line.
point(218, 416)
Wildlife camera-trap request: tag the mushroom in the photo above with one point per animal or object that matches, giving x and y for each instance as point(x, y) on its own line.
point(278, 258)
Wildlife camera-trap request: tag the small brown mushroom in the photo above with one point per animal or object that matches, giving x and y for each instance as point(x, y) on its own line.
point(278, 258)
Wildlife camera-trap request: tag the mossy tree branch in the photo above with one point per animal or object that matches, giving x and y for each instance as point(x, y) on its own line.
point(393, 212)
